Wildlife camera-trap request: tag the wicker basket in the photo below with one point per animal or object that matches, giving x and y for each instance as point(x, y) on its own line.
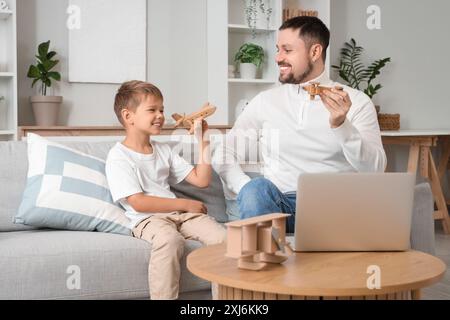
point(389, 121)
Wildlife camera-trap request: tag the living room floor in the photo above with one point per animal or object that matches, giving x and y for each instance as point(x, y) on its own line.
point(441, 290)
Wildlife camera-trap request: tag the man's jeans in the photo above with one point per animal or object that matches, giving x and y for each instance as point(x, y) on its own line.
point(260, 196)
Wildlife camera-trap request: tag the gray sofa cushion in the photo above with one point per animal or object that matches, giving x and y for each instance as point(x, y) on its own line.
point(422, 223)
point(212, 196)
point(13, 176)
point(35, 264)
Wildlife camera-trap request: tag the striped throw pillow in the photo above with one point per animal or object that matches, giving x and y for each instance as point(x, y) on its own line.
point(67, 189)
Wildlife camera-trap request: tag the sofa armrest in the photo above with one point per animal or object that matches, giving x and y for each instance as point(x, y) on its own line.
point(422, 224)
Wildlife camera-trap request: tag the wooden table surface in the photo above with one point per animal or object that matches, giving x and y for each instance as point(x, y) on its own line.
point(338, 274)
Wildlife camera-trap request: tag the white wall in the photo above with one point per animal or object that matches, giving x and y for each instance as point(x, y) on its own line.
point(415, 35)
point(176, 59)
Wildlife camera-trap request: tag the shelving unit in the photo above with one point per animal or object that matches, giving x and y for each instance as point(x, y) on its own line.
point(8, 72)
point(227, 32)
point(5, 14)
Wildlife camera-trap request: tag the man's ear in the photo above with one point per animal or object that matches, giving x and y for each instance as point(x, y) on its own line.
point(127, 116)
point(315, 52)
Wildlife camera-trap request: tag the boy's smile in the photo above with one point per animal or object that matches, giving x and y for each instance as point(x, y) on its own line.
point(149, 115)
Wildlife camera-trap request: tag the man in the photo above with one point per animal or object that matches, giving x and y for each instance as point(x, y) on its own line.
point(336, 132)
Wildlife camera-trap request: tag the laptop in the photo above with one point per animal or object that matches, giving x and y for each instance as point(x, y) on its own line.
point(354, 212)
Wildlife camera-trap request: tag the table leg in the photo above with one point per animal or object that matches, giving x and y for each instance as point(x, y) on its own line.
point(416, 294)
point(413, 159)
point(231, 293)
point(442, 212)
point(444, 162)
point(424, 162)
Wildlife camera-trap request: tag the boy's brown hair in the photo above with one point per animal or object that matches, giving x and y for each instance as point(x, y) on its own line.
point(130, 95)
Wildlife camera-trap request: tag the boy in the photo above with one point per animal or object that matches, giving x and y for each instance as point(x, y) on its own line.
point(138, 172)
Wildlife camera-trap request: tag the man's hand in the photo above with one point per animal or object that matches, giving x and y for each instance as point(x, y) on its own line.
point(338, 104)
point(195, 207)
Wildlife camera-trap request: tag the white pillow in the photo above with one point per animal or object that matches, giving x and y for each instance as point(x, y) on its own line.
point(67, 189)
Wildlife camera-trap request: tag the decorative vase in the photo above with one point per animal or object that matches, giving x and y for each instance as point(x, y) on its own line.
point(247, 70)
point(46, 109)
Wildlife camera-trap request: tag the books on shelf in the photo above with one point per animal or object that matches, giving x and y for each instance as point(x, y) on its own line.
point(289, 13)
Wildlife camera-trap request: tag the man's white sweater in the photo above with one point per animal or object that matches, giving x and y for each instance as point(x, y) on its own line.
point(295, 137)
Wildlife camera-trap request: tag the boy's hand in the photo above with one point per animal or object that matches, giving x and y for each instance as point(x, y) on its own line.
point(194, 206)
point(201, 129)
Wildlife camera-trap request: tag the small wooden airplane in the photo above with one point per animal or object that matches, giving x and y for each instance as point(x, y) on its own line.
point(314, 89)
point(188, 121)
point(257, 241)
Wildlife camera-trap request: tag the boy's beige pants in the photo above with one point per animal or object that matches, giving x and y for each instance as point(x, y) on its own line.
point(166, 233)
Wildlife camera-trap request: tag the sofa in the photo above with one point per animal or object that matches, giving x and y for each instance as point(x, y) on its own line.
point(43, 263)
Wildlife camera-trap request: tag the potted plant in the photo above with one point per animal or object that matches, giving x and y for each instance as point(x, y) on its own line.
point(352, 71)
point(250, 57)
point(252, 7)
point(45, 108)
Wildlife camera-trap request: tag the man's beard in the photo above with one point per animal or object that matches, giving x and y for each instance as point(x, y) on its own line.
point(300, 79)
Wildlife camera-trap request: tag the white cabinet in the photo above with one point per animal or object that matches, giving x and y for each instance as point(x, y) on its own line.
point(8, 72)
point(228, 29)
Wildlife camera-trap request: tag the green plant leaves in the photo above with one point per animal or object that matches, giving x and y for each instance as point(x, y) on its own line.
point(54, 75)
point(251, 13)
point(33, 72)
point(250, 53)
point(352, 70)
point(49, 64)
point(34, 82)
point(41, 71)
point(374, 69)
point(51, 55)
point(43, 48)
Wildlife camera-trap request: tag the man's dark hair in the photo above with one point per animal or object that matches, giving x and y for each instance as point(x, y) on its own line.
point(312, 30)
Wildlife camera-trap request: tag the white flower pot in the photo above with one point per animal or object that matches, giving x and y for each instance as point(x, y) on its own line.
point(46, 109)
point(248, 70)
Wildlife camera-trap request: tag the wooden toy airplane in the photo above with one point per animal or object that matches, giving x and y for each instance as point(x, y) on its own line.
point(314, 89)
point(257, 241)
point(188, 121)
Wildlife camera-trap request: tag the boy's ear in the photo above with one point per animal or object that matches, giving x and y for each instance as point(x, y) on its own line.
point(127, 116)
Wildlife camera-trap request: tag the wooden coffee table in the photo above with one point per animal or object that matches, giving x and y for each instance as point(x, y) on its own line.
point(324, 275)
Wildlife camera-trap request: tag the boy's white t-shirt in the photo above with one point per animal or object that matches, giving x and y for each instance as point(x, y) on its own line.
point(130, 172)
